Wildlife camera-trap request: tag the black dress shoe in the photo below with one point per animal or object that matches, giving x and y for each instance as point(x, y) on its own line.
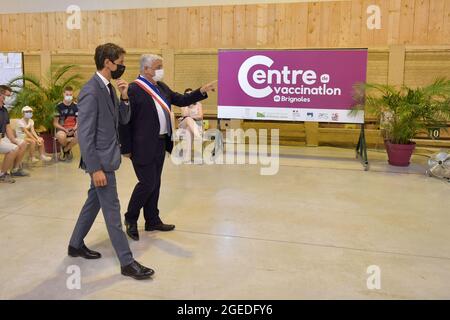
point(83, 252)
point(132, 230)
point(137, 271)
point(159, 227)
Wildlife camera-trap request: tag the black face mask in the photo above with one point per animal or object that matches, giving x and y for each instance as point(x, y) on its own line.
point(118, 72)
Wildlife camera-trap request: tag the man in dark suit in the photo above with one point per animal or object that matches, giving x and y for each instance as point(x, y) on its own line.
point(99, 114)
point(147, 137)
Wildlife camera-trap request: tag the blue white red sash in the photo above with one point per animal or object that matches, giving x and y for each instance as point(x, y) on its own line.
point(153, 91)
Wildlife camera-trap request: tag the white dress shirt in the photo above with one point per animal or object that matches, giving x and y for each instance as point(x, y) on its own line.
point(105, 81)
point(161, 117)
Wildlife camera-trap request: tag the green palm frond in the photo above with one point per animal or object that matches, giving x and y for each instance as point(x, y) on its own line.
point(60, 71)
point(410, 110)
point(17, 83)
point(73, 80)
point(43, 95)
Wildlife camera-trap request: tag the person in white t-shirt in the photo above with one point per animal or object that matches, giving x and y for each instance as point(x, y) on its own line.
point(25, 131)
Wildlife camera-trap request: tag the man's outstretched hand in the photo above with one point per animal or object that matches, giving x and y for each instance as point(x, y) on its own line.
point(212, 86)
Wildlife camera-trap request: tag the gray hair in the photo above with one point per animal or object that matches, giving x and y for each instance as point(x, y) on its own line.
point(148, 59)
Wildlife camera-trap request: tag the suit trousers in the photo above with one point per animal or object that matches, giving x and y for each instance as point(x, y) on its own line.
point(107, 199)
point(146, 192)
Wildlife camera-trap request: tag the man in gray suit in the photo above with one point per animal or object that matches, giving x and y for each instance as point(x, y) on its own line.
point(99, 113)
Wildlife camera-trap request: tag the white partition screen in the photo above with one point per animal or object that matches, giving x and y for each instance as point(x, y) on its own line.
point(11, 66)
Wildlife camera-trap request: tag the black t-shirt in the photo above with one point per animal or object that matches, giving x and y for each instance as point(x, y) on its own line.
point(67, 114)
point(4, 120)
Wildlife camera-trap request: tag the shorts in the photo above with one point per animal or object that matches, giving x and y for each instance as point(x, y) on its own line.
point(6, 146)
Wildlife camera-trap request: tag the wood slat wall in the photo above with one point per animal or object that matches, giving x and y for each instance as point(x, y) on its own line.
point(179, 34)
point(192, 68)
point(421, 68)
point(314, 24)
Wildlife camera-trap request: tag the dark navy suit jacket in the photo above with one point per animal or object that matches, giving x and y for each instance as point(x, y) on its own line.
point(140, 136)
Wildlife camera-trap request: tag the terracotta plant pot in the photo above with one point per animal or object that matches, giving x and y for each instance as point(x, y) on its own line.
point(49, 143)
point(399, 154)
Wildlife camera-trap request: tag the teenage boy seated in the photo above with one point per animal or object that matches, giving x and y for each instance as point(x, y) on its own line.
point(65, 122)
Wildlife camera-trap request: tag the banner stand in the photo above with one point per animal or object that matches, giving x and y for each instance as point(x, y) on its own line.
point(218, 141)
point(361, 149)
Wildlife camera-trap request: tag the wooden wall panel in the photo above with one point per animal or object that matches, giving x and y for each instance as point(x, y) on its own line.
point(357, 23)
point(446, 32)
point(421, 18)
point(194, 70)
point(406, 31)
point(377, 67)
point(423, 67)
point(393, 33)
point(32, 64)
point(436, 21)
point(381, 37)
point(314, 24)
point(86, 65)
point(313, 35)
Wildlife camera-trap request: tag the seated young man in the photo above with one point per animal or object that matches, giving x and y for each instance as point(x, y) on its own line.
point(25, 131)
point(13, 148)
point(65, 123)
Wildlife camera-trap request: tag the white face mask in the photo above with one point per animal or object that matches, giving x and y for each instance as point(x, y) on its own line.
point(28, 115)
point(8, 100)
point(159, 75)
point(68, 98)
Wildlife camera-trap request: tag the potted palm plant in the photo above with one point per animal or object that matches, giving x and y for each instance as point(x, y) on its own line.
point(43, 95)
point(405, 112)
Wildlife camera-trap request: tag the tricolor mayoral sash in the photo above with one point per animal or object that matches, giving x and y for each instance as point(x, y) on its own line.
point(154, 92)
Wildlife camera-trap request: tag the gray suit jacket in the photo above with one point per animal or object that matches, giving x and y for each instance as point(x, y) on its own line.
point(98, 121)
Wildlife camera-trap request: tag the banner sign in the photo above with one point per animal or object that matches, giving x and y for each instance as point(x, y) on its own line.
point(290, 85)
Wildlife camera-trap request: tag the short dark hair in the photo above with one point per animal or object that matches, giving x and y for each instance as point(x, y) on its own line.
point(109, 51)
point(68, 88)
point(187, 90)
point(4, 88)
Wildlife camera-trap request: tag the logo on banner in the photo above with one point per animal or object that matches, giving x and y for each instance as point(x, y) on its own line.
point(289, 85)
point(335, 116)
point(323, 116)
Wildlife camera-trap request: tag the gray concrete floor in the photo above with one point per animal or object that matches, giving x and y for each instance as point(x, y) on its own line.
point(310, 231)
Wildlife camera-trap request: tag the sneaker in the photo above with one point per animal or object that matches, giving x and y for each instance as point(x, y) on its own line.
point(19, 173)
point(69, 155)
point(6, 178)
point(45, 158)
point(62, 156)
point(34, 160)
